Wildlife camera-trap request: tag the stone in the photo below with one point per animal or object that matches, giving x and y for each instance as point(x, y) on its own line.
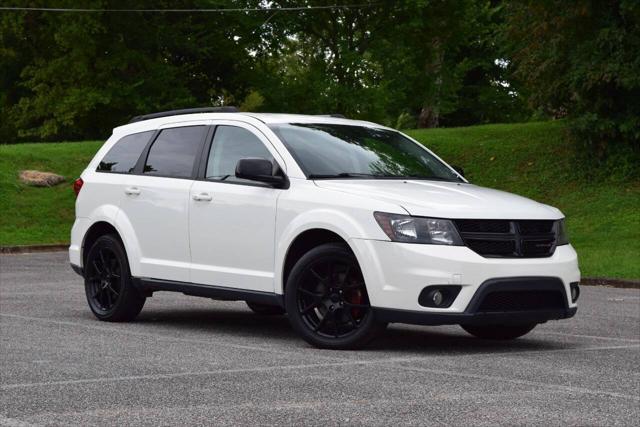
point(40, 179)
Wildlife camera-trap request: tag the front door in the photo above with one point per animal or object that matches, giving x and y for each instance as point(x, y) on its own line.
point(232, 221)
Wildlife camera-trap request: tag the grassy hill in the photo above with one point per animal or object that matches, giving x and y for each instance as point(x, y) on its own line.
point(529, 159)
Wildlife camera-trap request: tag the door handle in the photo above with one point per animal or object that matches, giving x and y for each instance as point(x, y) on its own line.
point(132, 191)
point(202, 197)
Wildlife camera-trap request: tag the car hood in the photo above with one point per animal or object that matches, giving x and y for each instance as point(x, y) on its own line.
point(445, 199)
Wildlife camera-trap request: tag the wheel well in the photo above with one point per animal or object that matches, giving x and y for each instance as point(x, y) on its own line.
point(96, 231)
point(303, 244)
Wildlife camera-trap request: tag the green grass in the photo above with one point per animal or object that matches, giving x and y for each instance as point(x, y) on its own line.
point(529, 159)
point(33, 215)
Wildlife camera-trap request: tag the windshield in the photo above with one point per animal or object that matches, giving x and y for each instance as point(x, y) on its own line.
point(326, 151)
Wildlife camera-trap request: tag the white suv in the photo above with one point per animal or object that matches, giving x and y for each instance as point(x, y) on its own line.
point(343, 225)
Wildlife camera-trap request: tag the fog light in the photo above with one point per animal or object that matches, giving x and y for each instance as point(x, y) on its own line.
point(437, 298)
point(575, 291)
point(440, 296)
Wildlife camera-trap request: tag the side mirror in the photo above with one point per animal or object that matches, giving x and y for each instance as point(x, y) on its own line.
point(261, 170)
point(458, 169)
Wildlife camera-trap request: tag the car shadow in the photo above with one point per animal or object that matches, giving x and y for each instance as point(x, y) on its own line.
point(398, 339)
point(453, 340)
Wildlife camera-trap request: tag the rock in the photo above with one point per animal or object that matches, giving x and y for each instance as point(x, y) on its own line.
point(40, 179)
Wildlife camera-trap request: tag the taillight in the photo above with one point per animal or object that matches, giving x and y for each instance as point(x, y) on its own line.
point(77, 186)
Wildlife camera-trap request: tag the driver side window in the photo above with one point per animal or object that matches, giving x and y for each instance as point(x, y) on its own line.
point(230, 144)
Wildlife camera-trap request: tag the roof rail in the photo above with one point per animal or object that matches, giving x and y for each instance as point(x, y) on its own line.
point(337, 116)
point(227, 109)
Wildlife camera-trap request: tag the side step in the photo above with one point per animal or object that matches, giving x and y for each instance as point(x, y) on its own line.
point(147, 285)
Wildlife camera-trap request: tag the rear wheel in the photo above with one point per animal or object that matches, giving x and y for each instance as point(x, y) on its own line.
point(265, 310)
point(499, 332)
point(108, 285)
point(327, 302)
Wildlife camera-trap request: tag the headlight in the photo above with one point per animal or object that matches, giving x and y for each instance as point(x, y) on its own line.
point(563, 238)
point(409, 229)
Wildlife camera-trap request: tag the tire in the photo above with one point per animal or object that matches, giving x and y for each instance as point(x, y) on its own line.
point(265, 310)
point(327, 302)
point(499, 332)
point(108, 285)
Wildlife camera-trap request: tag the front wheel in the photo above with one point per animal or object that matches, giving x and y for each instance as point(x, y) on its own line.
point(108, 285)
point(327, 302)
point(499, 332)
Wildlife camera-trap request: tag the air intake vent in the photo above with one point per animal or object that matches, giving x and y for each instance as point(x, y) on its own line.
point(505, 301)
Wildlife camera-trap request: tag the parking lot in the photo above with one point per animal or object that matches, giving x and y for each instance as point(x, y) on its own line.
point(196, 361)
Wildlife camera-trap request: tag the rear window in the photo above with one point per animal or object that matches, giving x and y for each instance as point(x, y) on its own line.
point(124, 155)
point(174, 152)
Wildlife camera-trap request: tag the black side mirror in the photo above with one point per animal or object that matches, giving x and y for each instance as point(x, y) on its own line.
point(261, 170)
point(458, 169)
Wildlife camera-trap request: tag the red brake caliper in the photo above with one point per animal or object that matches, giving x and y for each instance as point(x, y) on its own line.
point(356, 297)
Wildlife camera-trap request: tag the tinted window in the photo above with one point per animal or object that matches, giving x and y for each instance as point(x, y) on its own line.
point(231, 144)
point(124, 155)
point(345, 151)
point(174, 152)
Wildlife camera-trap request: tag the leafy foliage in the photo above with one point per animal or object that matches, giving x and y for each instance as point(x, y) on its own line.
point(581, 59)
point(424, 63)
point(77, 75)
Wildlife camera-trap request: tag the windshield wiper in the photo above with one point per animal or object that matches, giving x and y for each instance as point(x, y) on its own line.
point(428, 178)
point(343, 175)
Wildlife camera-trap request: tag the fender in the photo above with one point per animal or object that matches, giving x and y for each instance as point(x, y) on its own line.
point(112, 215)
point(131, 243)
point(326, 219)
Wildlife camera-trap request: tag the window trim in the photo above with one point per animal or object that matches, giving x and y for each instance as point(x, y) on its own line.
point(206, 152)
point(135, 165)
point(139, 169)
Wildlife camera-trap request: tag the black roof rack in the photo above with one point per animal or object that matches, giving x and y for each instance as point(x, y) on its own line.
point(228, 109)
point(337, 116)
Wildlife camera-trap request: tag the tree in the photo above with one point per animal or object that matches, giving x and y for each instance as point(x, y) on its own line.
point(581, 59)
point(77, 75)
point(320, 61)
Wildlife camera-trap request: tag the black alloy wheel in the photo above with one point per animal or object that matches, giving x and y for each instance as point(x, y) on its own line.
point(108, 285)
point(327, 299)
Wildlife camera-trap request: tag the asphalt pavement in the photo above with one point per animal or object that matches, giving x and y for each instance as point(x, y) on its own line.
point(193, 361)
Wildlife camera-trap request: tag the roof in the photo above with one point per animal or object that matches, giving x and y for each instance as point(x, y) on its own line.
point(268, 118)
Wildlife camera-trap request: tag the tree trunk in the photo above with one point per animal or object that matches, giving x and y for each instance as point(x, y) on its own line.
point(428, 118)
point(430, 113)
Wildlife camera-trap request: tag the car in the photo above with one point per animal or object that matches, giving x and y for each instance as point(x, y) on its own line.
point(343, 225)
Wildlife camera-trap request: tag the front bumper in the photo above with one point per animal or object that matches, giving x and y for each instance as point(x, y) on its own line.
point(477, 313)
point(396, 273)
point(421, 318)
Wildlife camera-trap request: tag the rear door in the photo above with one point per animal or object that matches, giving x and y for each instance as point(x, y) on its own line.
point(233, 220)
point(156, 201)
point(105, 187)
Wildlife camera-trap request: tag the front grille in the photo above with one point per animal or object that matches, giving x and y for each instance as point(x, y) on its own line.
point(501, 301)
point(483, 225)
point(509, 238)
point(535, 227)
point(492, 247)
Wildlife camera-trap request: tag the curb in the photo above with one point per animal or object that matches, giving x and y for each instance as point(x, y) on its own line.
point(612, 283)
point(59, 247)
point(26, 249)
